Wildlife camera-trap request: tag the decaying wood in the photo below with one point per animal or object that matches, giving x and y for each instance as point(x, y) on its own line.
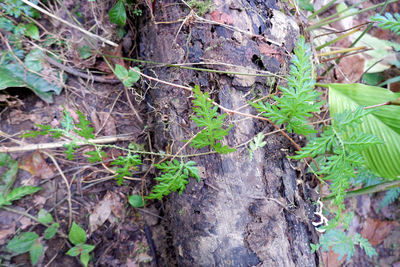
point(244, 212)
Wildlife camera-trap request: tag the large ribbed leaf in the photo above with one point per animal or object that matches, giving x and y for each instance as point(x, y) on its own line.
point(384, 123)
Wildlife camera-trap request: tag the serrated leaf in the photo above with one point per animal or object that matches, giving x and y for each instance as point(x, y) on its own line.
point(23, 242)
point(383, 123)
point(84, 130)
point(14, 75)
point(390, 197)
point(174, 178)
point(74, 251)
point(35, 252)
point(85, 259)
point(51, 231)
point(20, 192)
point(45, 217)
point(77, 235)
point(31, 31)
point(136, 201)
point(206, 116)
point(117, 13)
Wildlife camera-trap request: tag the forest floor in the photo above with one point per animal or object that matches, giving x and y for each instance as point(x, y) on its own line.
point(122, 234)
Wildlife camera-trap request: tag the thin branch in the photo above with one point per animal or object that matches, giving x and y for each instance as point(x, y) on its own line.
point(69, 196)
point(70, 24)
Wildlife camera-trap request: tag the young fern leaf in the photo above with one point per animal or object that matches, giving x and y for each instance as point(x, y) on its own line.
point(343, 149)
point(174, 178)
point(298, 99)
point(388, 22)
point(128, 163)
point(206, 117)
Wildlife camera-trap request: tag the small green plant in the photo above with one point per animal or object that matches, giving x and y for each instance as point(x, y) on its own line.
point(340, 151)
point(298, 100)
point(343, 244)
point(117, 13)
point(256, 143)
point(8, 195)
point(136, 201)
point(174, 178)
point(201, 6)
point(75, 132)
point(388, 22)
point(27, 242)
point(77, 236)
point(206, 117)
point(128, 163)
point(128, 78)
point(30, 241)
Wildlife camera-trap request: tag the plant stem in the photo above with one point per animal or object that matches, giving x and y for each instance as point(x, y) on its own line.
point(369, 189)
point(329, 21)
point(23, 213)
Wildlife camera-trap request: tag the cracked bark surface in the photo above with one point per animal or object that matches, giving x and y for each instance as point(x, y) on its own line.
point(244, 212)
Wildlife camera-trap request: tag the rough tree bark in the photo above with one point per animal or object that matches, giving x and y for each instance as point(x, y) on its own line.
point(244, 212)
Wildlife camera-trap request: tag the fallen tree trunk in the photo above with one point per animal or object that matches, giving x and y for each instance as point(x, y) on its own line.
point(246, 211)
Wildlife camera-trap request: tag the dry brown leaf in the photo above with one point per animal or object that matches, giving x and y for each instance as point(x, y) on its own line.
point(331, 259)
point(109, 123)
point(103, 209)
point(95, 121)
point(36, 165)
point(5, 233)
point(375, 230)
point(25, 222)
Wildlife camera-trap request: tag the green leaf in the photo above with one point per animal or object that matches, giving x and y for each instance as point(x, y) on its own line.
point(45, 217)
point(121, 72)
point(77, 235)
point(10, 174)
point(85, 52)
point(86, 248)
point(299, 99)
point(174, 178)
point(388, 22)
point(20, 192)
point(33, 60)
point(23, 242)
point(51, 231)
point(31, 31)
point(35, 252)
point(84, 129)
point(14, 75)
point(206, 116)
point(85, 259)
point(134, 76)
point(117, 14)
point(383, 123)
point(136, 201)
point(96, 156)
point(74, 251)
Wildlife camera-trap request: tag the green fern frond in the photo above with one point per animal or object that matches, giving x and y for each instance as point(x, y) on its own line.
point(388, 22)
point(298, 99)
point(343, 244)
point(128, 164)
point(343, 151)
point(390, 197)
point(174, 178)
point(206, 116)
